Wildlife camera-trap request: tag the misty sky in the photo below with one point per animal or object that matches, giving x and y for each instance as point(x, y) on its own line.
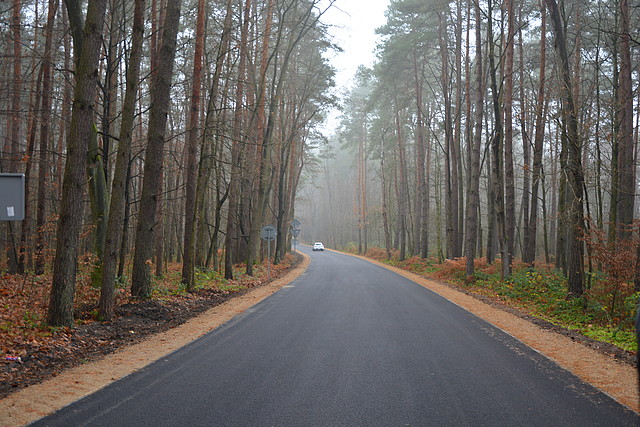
point(353, 24)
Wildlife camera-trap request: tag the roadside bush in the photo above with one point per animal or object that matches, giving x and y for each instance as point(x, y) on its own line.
point(377, 253)
point(613, 284)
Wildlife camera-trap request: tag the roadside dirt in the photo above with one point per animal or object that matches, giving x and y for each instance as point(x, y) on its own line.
point(615, 375)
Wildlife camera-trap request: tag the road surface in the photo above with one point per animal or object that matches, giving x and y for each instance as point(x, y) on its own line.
point(350, 344)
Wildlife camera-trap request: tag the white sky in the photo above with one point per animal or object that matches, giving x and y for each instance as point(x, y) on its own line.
point(353, 24)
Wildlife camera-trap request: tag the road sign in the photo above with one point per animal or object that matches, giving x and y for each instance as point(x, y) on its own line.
point(296, 223)
point(295, 232)
point(11, 197)
point(268, 233)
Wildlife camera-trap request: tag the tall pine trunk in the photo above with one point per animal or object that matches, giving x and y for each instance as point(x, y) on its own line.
point(626, 167)
point(473, 198)
point(451, 168)
point(497, 185)
point(420, 164)
point(152, 184)
point(190, 213)
point(574, 167)
point(402, 188)
point(509, 175)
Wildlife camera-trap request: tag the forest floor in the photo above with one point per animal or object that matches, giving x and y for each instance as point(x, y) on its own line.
point(93, 354)
point(33, 352)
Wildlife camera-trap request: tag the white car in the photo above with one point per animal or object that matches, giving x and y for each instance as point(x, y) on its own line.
point(318, 246)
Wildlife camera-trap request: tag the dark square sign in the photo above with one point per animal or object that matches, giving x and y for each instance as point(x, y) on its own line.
point(11, 197)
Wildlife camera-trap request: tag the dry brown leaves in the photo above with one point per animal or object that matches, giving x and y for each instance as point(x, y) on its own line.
point(31, 350)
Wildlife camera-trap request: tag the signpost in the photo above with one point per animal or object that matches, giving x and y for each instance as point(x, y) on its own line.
point(268, 234)
point(11, 197)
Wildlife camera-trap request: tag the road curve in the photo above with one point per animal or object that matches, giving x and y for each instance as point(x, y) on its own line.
point(350, 344)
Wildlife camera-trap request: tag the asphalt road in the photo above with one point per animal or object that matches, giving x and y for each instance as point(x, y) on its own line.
point(350, 344)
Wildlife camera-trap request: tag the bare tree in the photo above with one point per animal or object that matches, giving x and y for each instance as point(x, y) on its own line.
point(529, 255)
point(236, 151)
point(12, 144)
point(45, 126)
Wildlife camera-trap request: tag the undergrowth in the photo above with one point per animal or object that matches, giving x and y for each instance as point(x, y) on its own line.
point(24, 298)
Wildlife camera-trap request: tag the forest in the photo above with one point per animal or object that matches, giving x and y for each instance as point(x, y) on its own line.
point(506, 131)
point(153, 132)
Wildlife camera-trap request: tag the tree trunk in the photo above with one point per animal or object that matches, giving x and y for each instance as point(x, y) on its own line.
point(264, 129)
point(119, 183)
point(497, 185)
point(615, 132)
point(152, 185)
point(450, 168)
point(13, 141)
point(60, 312)
point(158, 232)
point(190, 214)
point(509, 176)
point(491, 217)
point(236, 152)
point(426, 201)
point(362, 190)
point(526, 126)
point(403, 190)
point(385, 210)
point(420, 161)
point(574, 167)
point(458, 174)
point(529, 255)
point(473, 198)
point(210, 138)
point(43, 166)
point(626, 167)
point(97, 195)
point(25, 232)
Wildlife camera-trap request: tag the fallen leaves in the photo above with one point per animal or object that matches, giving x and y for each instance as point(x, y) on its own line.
point(44, 351)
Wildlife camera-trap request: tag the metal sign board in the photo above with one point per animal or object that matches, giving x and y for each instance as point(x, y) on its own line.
point(296, 223)
point(268, 233)
point(295, 232)
point(11, 197)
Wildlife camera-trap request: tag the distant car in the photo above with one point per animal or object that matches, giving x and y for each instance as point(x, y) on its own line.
point(318, 246)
